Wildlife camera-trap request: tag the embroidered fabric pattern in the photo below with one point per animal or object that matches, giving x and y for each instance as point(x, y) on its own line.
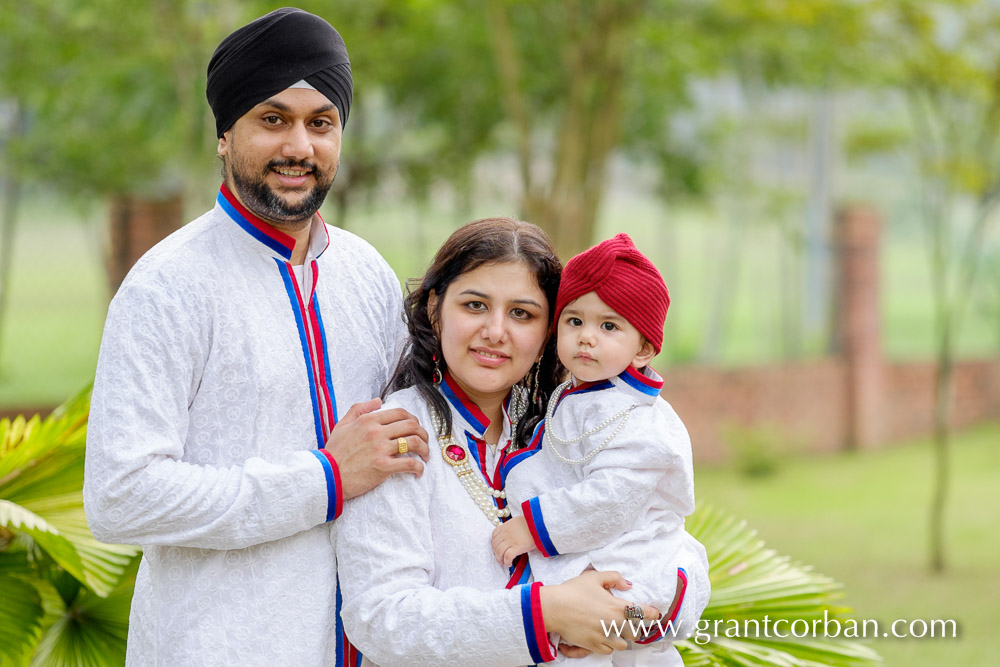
point(551, 437)
point(202, 443)
point(403, 548)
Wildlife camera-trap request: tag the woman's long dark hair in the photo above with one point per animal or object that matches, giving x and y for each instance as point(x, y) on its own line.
point(487, 241)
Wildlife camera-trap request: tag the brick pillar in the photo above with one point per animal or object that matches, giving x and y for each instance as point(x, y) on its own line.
point(858, 230)
point(136, 225)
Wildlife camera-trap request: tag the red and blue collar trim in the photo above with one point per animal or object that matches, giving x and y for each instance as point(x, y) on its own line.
point(585, 388)
point(512, 458)
point(276, 240)
point(650, 383)
point(464, 406)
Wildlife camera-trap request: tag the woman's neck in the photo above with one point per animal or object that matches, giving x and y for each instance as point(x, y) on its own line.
point(490, 403)
point(495, 415)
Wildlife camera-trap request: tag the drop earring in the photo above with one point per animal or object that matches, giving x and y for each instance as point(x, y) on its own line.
point(536, 398)
point(436, 376)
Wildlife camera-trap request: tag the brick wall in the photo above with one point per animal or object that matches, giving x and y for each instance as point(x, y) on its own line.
point(806, 405)
point(853, 400)
point(805, 401)
point(910, 387)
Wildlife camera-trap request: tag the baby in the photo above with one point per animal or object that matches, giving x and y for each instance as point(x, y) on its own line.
point(608, 480)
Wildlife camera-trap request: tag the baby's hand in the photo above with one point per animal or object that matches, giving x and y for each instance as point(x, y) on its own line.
point(511, 539)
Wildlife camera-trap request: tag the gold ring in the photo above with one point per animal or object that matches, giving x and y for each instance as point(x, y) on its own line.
point(402, 446)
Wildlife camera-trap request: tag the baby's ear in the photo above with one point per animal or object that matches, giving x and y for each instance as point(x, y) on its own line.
point(644, 355)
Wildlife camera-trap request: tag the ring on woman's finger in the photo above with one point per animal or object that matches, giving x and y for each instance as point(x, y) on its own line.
point(401, 445)
point(633, 612)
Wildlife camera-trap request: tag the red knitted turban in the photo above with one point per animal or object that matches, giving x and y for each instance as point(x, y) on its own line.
point(624, 279)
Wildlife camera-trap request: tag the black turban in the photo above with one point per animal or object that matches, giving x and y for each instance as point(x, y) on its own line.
point(270, 54)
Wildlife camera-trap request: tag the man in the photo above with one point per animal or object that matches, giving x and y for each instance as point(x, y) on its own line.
point(217, 438)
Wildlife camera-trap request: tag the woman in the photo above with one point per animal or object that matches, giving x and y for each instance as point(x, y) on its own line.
point(420, 584)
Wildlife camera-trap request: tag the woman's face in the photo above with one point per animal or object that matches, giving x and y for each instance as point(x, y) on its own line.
point(492, 323)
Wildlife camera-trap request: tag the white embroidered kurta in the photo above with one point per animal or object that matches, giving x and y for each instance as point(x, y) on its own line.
point(219, 379)
point(622, 509)
point(420, 583)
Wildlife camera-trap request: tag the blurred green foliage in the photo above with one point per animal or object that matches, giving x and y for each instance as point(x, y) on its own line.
point(757, 451)
point(115, 91)
point(65, 595)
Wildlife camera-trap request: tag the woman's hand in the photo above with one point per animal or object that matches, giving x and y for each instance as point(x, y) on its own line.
point(585, 614)
point(510, 540)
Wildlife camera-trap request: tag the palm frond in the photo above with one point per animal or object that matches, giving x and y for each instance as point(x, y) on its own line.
point(41, 482)
point(24, 441)
point(53, 607)
point(21, 616)
point(753, 586)
point(91, 630)
point(45, 535)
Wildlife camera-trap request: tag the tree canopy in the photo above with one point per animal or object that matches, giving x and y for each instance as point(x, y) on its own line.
point(115, 92)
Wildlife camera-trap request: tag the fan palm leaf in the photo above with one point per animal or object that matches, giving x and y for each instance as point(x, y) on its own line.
point(64, 596)
point(89, 629)
point(21, 616)
point(41, 482)
point(752, 584)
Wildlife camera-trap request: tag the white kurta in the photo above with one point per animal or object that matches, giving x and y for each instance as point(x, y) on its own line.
point(420, 583)
point(219, 378)
point(623, 508)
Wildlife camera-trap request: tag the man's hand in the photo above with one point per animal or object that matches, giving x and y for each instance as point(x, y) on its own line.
point(365, 444)
point(511, 539)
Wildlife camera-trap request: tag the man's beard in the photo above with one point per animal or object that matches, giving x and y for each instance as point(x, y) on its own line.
point(265, 203)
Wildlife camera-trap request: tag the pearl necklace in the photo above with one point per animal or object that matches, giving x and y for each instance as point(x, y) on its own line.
point(551, 436)
point(458, 457)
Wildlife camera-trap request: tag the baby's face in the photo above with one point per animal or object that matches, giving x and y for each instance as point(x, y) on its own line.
point(595, 342)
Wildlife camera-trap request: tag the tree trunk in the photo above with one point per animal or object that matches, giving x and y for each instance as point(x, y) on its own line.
point(340, 208)
point(943, 384)
point(11, 203)
point(816, 281)
point(726, 283)
point(789, 279)
point(136, 225)
point(588, 126)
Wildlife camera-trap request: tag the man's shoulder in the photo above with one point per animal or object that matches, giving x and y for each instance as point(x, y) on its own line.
point(179, 252)
point(347, 246)
point(177, 263)
point(358, 267)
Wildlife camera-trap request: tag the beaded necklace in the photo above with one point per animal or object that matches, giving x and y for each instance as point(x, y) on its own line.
point(458, 456)
point(551, 438)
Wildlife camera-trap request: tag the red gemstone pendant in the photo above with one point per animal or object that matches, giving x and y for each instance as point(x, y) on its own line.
point(455, 453)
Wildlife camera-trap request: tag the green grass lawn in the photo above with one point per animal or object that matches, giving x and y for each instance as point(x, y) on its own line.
point(862, 518)
point(57, 300)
